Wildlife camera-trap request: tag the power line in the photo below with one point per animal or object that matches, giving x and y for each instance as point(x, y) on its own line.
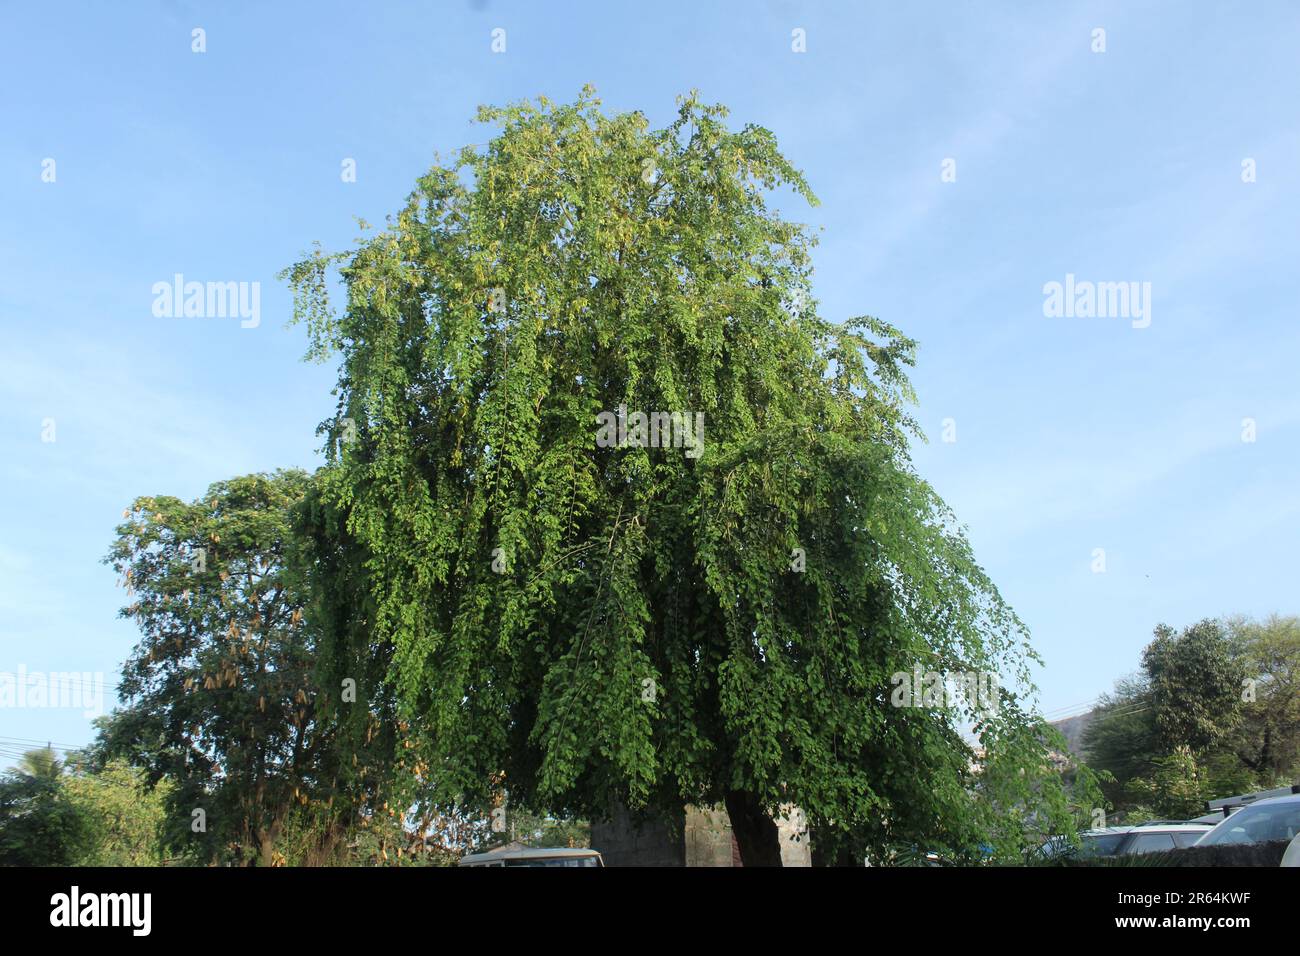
point(1073, 709)
point(59, 678)
point(43, 743)
point(1058, 718)
point(23, 751)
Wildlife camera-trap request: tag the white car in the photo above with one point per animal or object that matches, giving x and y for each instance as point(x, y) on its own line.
point(1160, 836)
point(1292, 855)
point(1277, 818)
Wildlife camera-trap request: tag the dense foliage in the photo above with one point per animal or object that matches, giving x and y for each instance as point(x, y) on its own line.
point(715, 620)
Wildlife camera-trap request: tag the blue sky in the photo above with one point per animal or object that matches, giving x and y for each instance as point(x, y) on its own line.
point(1072, 433)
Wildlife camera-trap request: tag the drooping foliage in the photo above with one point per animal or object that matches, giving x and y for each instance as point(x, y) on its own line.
point(657, 622)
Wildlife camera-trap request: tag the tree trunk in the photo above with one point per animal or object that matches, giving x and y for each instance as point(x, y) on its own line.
point(266, 849)
point(756, 833)
point(266, 837)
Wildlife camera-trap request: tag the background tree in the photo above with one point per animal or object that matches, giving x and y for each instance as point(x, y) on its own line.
point(1212, 713)
point(127, 817)
point(39, 824)
point(1267, 740)
point(1176, 788)
point(1121, 740)
point(220, 695)
point(587, 625)
point(1195, 683)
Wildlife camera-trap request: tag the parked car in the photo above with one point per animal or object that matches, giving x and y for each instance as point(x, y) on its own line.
point(1153, 837)
point(1277, 818)
point(528, 856)
point(1102, 841)
point(1160, 835)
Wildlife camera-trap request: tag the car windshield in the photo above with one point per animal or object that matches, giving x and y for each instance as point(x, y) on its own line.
point(1259, 824)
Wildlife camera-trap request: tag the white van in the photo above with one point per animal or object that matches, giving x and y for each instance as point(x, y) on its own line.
point(529, 856)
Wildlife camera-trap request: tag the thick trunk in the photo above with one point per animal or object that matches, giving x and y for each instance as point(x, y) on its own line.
point(266, 837)
point(266, 849)
point(756, 833)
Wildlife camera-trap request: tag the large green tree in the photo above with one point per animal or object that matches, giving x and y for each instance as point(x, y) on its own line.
point(715, 619)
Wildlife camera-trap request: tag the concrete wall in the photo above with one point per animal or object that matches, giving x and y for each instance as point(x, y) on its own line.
point(793, 830)
point(625, 840)
point(708, 838)
point(699, 837)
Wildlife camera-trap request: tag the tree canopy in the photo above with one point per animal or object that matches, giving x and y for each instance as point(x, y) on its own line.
point(715, 619)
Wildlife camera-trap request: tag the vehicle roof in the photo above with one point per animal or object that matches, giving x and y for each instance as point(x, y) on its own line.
point(1173, 823)
point(529, 853)
point(1246, 799)
point(1173, 827)
point(1267, 801)
point(1289, 798)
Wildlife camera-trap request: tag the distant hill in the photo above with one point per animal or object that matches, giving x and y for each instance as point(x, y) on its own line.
point(1072, 729)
